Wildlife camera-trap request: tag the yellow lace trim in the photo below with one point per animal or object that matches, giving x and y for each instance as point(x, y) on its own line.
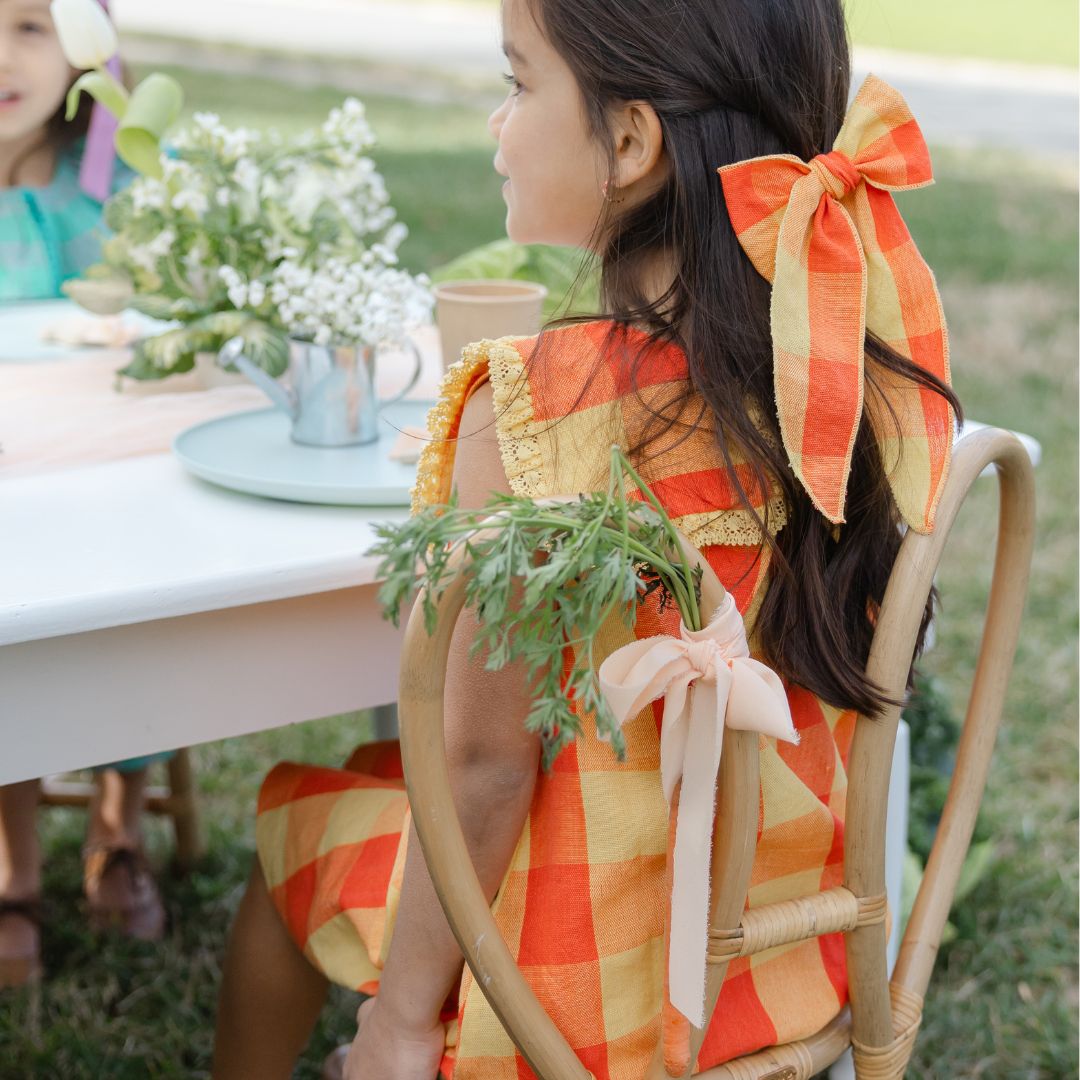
point(731, 528)
point(435, 465)
point(519, 446)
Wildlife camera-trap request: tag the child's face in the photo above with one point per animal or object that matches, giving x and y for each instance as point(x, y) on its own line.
point(554, 167)
point(34, 74)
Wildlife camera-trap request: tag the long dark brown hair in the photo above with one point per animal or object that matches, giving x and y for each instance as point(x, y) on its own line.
point(58, 133)
point(731, 80)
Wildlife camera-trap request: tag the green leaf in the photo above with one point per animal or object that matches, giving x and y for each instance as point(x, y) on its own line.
point(103, 294)
point(263, 344)
point(166, 354)
point(154, 107)
point(104, 88)
point(118, 211)
point(543, 577)
point(977, 863)
point(158, 306)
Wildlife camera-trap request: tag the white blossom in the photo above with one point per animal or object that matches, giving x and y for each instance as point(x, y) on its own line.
point(349, 302)
point(147, 193)
point(298, 231)
point(87, 35)
point(146, 256)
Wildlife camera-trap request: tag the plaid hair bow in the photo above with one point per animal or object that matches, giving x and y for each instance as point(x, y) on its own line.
point(829, 237)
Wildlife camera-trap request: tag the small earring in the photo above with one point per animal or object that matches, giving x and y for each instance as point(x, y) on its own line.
point(606, 191)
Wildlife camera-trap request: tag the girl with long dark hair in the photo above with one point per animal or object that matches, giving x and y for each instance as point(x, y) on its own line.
point(772, 354)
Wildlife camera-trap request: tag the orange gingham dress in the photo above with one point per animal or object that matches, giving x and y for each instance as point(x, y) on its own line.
point(583, 902)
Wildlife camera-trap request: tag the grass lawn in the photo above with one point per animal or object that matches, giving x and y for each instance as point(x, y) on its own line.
point(1001, 237)
point(1036, 32)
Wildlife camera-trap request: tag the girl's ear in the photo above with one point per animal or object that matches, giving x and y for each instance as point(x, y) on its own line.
point(639, 145)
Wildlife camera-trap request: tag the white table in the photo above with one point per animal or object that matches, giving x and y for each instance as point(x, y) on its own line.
point(142, 610)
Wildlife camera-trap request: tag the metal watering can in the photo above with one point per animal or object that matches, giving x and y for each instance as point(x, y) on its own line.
point(331, 397)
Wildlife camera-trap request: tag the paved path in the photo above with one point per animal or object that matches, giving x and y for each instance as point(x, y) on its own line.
point(965, 103)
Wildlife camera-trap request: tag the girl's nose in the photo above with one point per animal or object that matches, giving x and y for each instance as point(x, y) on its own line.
point(497, 118)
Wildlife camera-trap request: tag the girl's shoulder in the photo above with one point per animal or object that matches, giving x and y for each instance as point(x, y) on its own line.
point(563, 397)
point(581, 365)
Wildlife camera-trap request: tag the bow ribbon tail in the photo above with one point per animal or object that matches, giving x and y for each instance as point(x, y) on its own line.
point(702, 718)
point(914, 427)
point(708, 681)
point(818, 327)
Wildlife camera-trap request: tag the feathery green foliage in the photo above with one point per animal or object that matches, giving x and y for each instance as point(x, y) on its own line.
point(546, 575)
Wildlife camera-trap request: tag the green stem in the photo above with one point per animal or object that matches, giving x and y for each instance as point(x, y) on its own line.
point(104, 88)
point(624, 510)
point(555, 521)
point(678, 580)
point(691, 612)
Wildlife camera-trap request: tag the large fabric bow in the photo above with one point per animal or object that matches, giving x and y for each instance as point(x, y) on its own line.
point(708, 681)
point(829, 237)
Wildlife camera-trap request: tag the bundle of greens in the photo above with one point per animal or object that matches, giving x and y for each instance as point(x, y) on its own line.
point(546, 576)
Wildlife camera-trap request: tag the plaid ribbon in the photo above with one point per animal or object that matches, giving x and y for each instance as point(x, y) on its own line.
point(829, 237)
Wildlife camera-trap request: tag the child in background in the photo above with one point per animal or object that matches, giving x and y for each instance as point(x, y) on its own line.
point(54, 177)
point(54, 174)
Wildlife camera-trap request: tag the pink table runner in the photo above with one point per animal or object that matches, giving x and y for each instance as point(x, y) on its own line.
point(68, 413)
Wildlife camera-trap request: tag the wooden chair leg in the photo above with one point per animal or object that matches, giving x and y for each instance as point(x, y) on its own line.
point(184, 811)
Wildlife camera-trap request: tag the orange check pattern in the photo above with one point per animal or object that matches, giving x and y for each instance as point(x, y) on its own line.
point(829, 237)
point(584, 901)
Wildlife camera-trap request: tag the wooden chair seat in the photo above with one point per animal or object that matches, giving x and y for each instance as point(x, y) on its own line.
point(882, 1022)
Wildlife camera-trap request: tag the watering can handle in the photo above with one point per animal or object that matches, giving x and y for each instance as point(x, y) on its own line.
point(418, 367)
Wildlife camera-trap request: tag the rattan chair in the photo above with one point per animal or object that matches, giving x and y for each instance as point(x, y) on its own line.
point(178, 801)
point(882, 1021)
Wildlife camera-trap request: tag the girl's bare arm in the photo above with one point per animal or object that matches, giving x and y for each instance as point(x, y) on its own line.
point(493, 764)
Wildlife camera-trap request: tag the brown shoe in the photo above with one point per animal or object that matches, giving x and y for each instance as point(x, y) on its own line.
point(121, 893)
point(21, 967)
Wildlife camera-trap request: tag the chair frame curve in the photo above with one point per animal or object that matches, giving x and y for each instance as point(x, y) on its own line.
point(872, 1024)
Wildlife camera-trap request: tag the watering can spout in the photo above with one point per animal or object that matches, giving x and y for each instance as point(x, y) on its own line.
point(233, 353)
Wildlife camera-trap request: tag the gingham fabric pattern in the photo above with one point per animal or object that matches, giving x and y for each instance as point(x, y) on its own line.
point(584, 901)
point(829, 237)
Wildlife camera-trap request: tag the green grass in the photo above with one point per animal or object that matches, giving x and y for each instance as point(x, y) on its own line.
point(1035, 32)
point(437, 159)
point(1003, 1001)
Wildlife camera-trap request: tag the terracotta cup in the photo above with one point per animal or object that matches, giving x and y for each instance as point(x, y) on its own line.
point(467, 311)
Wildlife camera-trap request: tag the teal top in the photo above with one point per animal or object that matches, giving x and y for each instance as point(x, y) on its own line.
point(50, 234)
point(47, 235)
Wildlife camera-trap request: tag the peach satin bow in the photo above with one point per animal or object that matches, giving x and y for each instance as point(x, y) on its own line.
point(829, 237)
point(708, 681)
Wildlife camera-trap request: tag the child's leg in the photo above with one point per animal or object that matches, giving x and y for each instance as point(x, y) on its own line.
point(119, 886)
point(20, 880)
point(270, 998)
point(20, 852)
point(115, 813)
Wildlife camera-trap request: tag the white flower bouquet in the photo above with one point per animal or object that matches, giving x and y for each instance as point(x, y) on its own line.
point(246, 234)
